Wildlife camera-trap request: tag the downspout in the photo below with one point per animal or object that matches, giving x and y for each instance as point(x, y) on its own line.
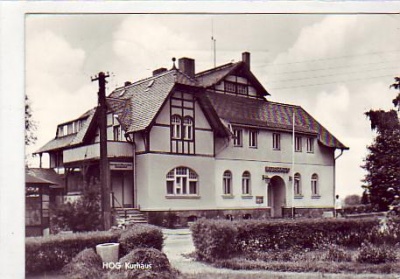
point(334, 176)
point(132, 141)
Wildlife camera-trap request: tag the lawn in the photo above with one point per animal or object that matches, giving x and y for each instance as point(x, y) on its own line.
point(250, 275)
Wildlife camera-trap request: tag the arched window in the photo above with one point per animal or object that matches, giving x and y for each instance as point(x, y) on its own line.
point(176, 123)
point(188, 128)
point(246, 190)
point(297, 184)
point(227, 183)
point(314, 185)
point(182, 181)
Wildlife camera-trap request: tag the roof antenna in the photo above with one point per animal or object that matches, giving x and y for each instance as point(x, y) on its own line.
point(214, 42)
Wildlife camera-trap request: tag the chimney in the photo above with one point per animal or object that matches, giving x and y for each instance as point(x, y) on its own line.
point(127, 83)
point(186, 66)
point(246, 58)
point(159, 71)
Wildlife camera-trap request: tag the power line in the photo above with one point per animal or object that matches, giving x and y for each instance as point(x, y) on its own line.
point(326, 83)
point(331, 68)
point(331, 58)
point(337, 74)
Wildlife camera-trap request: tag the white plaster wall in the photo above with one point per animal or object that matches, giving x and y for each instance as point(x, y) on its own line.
point(259, 187)
point(264, 151)
point(139, 142)
point(237, 167)
point(201, 120)
point(160, 139)
point(164, 115)
point(152, 170)
point(204, 142)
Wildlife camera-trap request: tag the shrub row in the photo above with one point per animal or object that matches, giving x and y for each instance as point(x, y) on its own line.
point(360, 208)
point(55, 251)
point(214, 239)
point(221, 239)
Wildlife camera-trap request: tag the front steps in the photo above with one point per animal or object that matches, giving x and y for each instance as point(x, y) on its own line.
point(129, 216)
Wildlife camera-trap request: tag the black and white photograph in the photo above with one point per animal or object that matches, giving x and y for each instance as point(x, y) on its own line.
point(211, 144)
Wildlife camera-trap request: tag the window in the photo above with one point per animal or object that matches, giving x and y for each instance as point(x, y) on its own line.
point(246, 183)
point(182, 181)
point(242, 89)
point(237, 137)
point(61, 131)
point(70, 128)
point(188, 128)
point(253, 138)
point(276, 141)
point(297, 184)
point(230, 86)
point(310, 145)
point(298, 144)
point(117, 133)
point(176, 126)
point(227, 183)
point(314, 185)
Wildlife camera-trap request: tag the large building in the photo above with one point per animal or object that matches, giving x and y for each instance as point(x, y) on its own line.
point(205, 144)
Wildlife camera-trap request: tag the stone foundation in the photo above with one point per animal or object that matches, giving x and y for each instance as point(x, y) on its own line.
point(183, 218)
point(305, 212)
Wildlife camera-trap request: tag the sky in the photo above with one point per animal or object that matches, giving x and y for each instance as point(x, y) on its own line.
point(335, 66)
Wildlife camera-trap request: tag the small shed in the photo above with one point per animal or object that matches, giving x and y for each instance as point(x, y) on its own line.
point(42, 188)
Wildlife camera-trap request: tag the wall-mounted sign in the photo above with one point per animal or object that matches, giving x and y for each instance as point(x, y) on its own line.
point(259, 199)
point(277, 169)
point(121, 166)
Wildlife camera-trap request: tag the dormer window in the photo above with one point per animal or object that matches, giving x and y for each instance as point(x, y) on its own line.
point(242, 89)
point(230, 87)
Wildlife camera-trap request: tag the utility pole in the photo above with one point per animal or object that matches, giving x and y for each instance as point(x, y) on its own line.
point(104, 166)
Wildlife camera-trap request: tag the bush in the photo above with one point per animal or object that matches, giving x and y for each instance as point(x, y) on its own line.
point(369, 253)
point(214, 239)
point(82, 215)
point(221, 239)
point(86, 265)
point(55, 251)
point(146, 263)
point(153, 258)
point(338, 254)
point(360, 208)
point(141, 236)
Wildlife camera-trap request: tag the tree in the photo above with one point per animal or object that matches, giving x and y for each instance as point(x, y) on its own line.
point(396, 85)
point(383, 161)
point(83, 214)
point(352, 200)
point(30, 124)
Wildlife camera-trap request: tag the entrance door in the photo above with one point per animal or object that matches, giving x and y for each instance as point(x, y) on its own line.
point(276, 196)
point(121, 186)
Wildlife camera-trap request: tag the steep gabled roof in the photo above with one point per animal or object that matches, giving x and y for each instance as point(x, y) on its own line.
point(140, 102)
point(214, 76)
point(265, 114)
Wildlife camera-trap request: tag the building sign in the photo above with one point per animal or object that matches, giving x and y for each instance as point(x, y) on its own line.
point(277, 169)
point(259, 199)
point(121, 166)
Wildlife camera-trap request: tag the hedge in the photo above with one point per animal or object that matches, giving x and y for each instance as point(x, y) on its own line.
point(221, 239)
point(214, 239)
point(55, 251)
point(141, 236)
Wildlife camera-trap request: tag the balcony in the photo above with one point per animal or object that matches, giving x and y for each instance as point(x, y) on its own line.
point(115, 149)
